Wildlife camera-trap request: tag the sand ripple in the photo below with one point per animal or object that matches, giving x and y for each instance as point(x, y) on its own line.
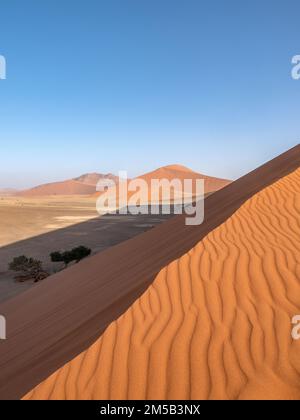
point(215, 324)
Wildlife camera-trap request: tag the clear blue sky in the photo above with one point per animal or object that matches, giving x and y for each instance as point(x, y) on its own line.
point(103, 85)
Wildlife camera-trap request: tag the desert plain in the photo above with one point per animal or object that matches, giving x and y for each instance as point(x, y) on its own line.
point(37, 226)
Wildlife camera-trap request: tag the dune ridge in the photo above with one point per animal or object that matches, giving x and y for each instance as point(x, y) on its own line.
point(215, 324)
point(64, 315)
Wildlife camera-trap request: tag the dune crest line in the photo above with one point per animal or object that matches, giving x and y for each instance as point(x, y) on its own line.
point(215, 324)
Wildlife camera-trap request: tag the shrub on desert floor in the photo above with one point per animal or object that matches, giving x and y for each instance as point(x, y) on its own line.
point(29, 269)
point(76, 254)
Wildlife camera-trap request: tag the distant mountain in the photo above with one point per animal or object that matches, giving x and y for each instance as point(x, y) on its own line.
point(83, 185)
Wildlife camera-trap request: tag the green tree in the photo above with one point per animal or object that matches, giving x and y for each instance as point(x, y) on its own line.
point(76, 254)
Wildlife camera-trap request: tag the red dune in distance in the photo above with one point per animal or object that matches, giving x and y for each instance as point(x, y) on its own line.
point(94, 178)
point(215, 324)
point(170, 173)
point(86, 184)
point(70, 187)
point(181, 172)
point(209, 304)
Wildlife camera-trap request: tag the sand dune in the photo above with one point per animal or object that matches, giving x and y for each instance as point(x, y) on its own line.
point(86, 184)
point(94, 178)
point(181, 172)
point(215, 324)
point(160, 193)
point(83, 185)
point(61, 317)
point(70, 187)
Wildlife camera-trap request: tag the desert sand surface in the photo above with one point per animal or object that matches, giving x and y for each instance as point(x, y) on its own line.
point(64, 315)
point(35, 227)
point(215, 324)
point(22, 218)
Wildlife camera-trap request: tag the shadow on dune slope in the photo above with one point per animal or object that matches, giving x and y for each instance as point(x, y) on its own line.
point(214, 324)
point(52, 323)
point(98, 234)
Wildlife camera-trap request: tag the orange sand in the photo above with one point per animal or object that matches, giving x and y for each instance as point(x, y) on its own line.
point(178, 172)
point(65, 314)
point(181, 172)
point(70, 187)
point(215, 324)
point(86, 184)
point(83, 185)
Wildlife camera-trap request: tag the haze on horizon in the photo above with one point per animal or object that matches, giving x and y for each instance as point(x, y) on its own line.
point(129, 85)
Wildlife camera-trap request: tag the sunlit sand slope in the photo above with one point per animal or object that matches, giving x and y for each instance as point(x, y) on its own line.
point(65, 314)
point(215, 324)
